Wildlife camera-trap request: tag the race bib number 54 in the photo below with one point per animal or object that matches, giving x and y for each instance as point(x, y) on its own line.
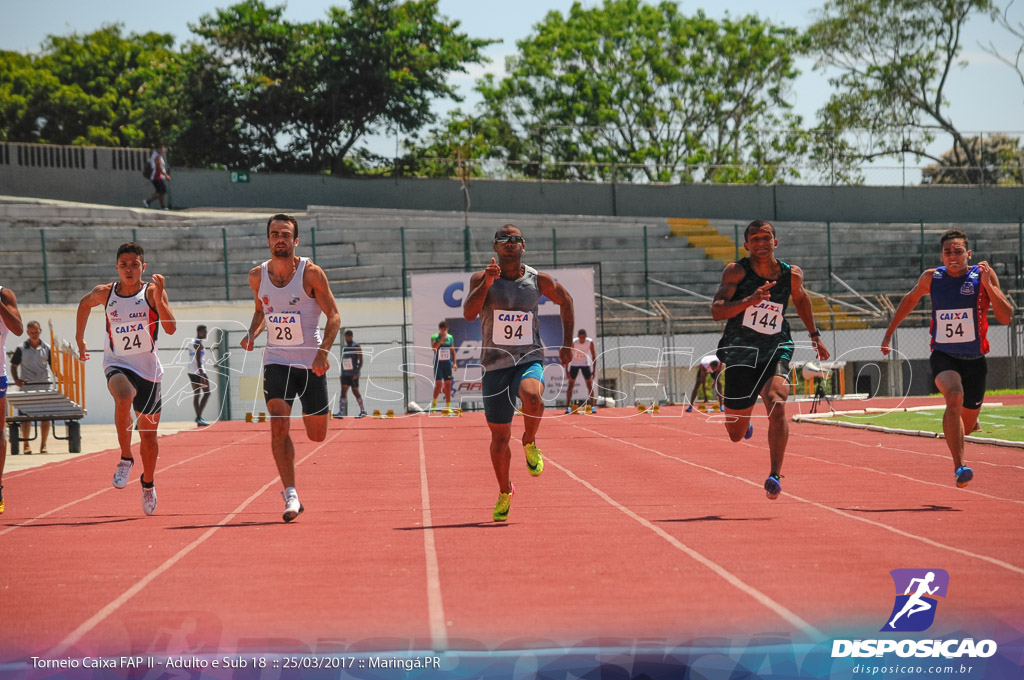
point(765, 317)
point(954, 325)
point(513, 328)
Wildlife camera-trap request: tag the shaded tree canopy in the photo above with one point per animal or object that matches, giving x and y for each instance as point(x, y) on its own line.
point(892, 60)
point(251, 90)
point(640, 91)
point(1001, 160)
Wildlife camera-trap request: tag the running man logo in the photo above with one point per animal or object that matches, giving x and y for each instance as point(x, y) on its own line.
point(915, 605)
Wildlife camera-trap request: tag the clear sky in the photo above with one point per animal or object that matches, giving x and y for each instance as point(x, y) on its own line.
point(985, 96)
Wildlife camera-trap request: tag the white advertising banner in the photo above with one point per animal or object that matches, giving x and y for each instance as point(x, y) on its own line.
point(438, 296)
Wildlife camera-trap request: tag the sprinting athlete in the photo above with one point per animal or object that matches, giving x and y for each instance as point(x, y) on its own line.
point(506, 296)
point(961, 294)
point(291, 292)
point(135, 312)
point(756, 346)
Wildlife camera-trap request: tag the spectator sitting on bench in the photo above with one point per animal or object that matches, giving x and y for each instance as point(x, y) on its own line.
point(29, 369)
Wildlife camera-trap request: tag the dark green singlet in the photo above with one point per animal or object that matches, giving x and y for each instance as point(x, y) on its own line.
point(740, 343)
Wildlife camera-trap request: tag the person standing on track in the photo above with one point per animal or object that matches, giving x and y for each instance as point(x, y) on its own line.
point(506, 296)
point(584, 360)
point(351, 367)
point(709, 365)
point(961, 294)
point(30, 367)
point(134, 312)
point(10, 322)
point(197, 374)
point(756, 346)
point(443, 344)
point(290, 293)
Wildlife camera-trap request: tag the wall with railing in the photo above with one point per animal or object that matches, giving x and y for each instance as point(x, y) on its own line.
point(113, 177)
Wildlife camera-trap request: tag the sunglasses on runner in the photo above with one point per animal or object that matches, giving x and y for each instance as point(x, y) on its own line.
point(509, 239)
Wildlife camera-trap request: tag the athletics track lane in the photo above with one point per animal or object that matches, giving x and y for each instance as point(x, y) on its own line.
point(595, 547)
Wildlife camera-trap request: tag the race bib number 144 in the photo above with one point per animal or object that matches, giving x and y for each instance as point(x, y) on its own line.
point(765, 317)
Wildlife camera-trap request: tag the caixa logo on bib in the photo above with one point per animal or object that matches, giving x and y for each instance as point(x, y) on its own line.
point(916, 592)
point(914, 610)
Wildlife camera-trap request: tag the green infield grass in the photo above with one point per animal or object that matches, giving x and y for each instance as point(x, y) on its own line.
point(997, 422)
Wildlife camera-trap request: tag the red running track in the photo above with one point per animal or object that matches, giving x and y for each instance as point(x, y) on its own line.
point(645, 529)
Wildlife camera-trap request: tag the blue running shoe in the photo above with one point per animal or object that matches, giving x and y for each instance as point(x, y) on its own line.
point(721, 409)
point(750, 431)
point(964, 474)
point(772, 487)
point(689, 409)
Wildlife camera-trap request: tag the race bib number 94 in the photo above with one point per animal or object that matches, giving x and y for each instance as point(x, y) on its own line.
point(284, 329)
point(954, 325)
point(765, 317)
point(513, 328)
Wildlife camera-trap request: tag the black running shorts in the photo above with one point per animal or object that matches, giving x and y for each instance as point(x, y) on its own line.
point(147, 394)
point(289, 382)
point(972, 372)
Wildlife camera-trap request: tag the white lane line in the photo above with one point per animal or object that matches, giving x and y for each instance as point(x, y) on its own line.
point(88, 456)
point(985, 558)
point(109, 488)
point(794, 454)
point(941, 456)
point(718, 569)
point(435, 605)
point(78, 633)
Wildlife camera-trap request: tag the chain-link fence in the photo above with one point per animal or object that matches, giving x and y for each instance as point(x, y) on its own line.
point(640, 359)
point(383, 380)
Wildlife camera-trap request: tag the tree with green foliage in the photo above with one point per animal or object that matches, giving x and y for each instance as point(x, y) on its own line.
point(631, 90)
point(892, 60)
point(1015, 28)
point(1000, 156)
point(103, 88)
point(270, 94)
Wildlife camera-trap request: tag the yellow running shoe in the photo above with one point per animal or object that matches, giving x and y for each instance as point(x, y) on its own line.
point(1, 506)
point(504, 504)
point(534, 461)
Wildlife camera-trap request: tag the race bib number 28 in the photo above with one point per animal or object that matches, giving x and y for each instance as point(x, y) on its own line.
point(954, 325)
point(284, 329)
point(513, 328)
point(765, 317)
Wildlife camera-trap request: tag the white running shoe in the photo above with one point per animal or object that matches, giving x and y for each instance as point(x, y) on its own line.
point(292, 507)
point(122, 472)
point(149, 500)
